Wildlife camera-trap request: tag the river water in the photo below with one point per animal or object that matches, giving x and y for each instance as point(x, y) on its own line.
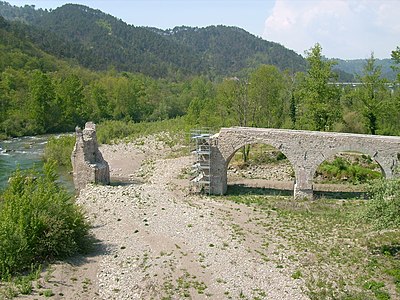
point(24, 153)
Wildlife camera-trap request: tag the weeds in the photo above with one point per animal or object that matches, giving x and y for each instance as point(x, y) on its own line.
point(341, 256)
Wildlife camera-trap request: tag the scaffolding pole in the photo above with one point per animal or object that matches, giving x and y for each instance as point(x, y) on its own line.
point(200, 139)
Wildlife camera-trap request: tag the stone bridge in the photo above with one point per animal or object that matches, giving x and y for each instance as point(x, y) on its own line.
point(305, 150)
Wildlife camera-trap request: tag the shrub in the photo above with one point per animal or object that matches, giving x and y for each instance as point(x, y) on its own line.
point(112, 131)
point(38, 221)
point(383, 208)
point(59, 149)
point(341, 169)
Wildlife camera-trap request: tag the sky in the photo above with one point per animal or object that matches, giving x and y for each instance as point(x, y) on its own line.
point(346, 29)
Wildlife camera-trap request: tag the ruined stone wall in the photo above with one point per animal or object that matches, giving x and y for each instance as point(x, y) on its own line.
point(88, 163)
point(305, 150)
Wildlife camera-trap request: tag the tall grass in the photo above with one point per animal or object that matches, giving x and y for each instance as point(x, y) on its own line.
point(38, 221)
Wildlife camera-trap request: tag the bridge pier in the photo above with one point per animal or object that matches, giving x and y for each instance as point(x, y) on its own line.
point(301, 192)
point(218, 171)
point(303, 187)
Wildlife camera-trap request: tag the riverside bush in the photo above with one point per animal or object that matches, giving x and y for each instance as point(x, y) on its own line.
point(59, 149)
point(111, 131)
point(39, 221)
point(383, 208)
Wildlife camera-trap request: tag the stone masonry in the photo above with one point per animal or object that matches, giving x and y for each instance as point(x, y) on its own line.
point(88, 163)
point(305, 150)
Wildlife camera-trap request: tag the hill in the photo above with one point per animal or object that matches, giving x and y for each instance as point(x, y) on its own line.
point(355, 67)
point(19, 51)
point(100, 41)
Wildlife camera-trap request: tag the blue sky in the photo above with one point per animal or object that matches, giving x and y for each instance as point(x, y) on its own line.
point(345, 29)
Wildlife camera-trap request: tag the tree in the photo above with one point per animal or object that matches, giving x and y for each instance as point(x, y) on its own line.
point(232, 95)
point(267, 96)
point(372, 94)
point(396, 96)
point(41, 96)
point(100, 103)
point(69, 92)
point(319, 105)
point(396, 60)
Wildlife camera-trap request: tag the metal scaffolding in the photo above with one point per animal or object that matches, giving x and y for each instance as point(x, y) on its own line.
point(200, 140)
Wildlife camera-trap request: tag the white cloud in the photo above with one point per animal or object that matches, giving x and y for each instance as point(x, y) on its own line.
point(344, 28)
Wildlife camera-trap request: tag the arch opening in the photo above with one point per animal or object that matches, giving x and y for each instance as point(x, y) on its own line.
point(259, 168)
point(345, 174)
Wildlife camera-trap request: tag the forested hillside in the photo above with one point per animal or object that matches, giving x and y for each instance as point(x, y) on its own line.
point(100, 41)
point(214, 76)
point(355, 67)
point(230, 49)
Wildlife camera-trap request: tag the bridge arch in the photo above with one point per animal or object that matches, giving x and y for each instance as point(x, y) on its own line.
point(272, 146)
point(385, 168)
point(305, 150)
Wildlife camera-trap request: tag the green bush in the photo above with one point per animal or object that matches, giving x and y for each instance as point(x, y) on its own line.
point(112, 131)
point(383, 208)
point(59, 149)
point(38, 221)
point(341, 169)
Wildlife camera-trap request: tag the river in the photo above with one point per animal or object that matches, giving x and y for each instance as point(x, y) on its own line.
point(25, 152)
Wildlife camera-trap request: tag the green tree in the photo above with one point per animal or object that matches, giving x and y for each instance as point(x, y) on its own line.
point(396, 59)
point(99, 103)
point(267, 96)
point(319, 105)
point(69, 93)
point(14, 94)
point(41, 96)
point(202, 110)
point(233, 97)
point(372, 94)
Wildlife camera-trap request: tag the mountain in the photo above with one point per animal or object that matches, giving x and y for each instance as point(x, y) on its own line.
point(100, 41)
point(355, 68)
point(230, 49)
point(19, 52)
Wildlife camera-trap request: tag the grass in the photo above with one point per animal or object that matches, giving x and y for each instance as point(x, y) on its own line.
point(185, 286)
point(338, 255)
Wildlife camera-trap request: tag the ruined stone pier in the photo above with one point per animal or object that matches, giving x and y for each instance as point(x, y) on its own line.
point(88, 163)
point(305, 150)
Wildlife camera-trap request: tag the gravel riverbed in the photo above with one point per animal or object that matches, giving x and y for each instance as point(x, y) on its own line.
point(155, 240)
